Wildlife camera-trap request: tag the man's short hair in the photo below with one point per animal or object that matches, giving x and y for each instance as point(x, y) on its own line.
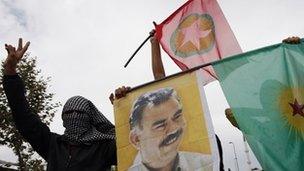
point(152, 98)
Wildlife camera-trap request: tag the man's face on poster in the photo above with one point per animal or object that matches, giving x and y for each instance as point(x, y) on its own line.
point(160, 133)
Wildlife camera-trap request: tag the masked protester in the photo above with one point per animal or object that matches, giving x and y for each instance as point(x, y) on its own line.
point(88, 142)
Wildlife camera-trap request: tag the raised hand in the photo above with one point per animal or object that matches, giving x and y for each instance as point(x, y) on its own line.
point(292, 40)
point(119, 93)
point(14, 56)
point(153, 39)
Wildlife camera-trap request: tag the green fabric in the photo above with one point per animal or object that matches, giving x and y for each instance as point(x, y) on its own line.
point(265, 89)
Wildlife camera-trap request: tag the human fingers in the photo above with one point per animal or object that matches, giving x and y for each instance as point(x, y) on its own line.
point(152, 32)
point(111, 98)
point(286, 40)
point(11, 49)
point(128, 88)
point(19, 44)
point(124, 91)
point(6, 48)
point(296, 39)
point(24, 49)
point(118, 93)
point(292, 40)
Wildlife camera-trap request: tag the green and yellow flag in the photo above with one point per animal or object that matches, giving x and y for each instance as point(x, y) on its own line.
point(265, 89)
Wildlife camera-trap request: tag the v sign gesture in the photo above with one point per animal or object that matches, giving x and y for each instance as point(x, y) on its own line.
point(14, 56)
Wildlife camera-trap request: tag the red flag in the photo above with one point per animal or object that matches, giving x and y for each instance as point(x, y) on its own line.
point(197, 33)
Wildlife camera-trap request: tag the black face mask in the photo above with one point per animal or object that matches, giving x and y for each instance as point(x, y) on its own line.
point(84, 123)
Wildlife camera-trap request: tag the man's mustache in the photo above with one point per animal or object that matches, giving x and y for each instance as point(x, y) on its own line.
point(171, 138)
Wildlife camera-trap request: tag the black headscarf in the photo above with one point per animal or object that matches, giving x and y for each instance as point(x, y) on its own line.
point(84, 123)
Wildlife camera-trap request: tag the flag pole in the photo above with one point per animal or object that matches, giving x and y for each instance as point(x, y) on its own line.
point(150, 35)
point(129, 60)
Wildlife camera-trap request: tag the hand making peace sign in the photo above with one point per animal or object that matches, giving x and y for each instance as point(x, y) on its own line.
point(14, 56)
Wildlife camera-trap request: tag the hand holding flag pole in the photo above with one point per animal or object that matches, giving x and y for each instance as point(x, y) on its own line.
point(150, 35)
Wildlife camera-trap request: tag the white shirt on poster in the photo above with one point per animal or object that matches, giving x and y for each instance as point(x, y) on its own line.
point(188, 161)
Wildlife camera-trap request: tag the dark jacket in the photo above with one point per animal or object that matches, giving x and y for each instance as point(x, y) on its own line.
point(59, 154)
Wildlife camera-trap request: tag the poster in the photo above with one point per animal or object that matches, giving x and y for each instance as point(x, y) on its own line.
point(166, 125)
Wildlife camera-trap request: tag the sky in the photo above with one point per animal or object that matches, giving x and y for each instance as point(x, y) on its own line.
point(83, 46)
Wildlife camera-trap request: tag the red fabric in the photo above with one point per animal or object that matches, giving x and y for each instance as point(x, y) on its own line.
point(197, 33)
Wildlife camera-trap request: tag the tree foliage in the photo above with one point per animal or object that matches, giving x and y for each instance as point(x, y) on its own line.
point(41, 103)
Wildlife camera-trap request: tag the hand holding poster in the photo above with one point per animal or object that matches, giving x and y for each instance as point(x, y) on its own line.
point(166, 125)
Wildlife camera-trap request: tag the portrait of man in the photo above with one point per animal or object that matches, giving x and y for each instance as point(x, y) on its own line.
point(157, 126)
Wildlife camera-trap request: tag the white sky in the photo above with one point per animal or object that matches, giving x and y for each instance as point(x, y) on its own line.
point(83, 46)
